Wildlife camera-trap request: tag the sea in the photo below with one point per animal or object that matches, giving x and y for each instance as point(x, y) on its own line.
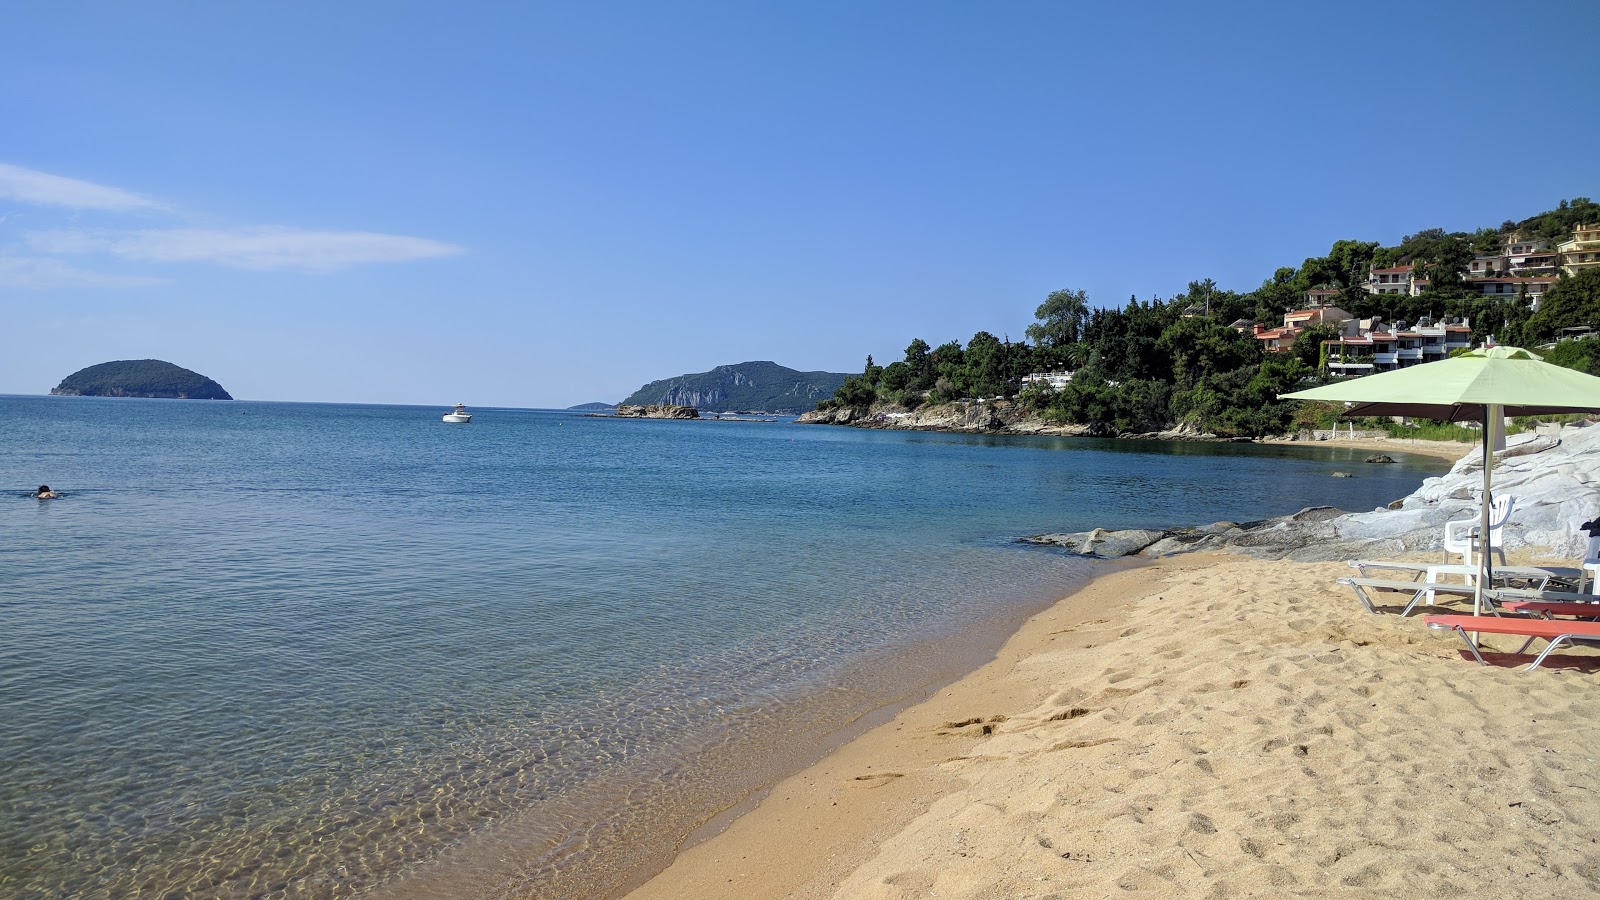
point(328, 650)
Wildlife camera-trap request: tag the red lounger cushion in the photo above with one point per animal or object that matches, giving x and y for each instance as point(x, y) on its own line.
point(1548, 629)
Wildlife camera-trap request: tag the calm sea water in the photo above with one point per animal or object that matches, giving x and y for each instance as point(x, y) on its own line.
point(273, 649)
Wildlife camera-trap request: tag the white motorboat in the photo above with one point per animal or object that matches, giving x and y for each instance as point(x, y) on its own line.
point(459, 415)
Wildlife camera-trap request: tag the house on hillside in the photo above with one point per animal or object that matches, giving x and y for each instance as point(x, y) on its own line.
point(1486, 266)
point(1516, 257)
point(1395, 280)
point(1379, 347)
point(1529, 258)
point(1055, 381)
point(1511, 288)
point(1583, 251)
point(1277, 340)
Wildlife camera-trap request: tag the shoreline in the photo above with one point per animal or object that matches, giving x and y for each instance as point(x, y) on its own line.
point(1448, 450)
point(703, 794)
point(1284, 741)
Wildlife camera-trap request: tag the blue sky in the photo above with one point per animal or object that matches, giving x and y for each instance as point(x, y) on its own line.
point(547, 204)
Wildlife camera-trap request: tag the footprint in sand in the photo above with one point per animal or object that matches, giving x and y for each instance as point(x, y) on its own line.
point(986, 725)
point(1079, 745)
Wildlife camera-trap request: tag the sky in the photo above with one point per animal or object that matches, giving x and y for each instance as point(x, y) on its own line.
point(539, 204)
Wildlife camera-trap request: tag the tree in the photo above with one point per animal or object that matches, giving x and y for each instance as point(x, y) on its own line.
point(1061, 319)
point(921, 365)
point(1308, 344)
point(1201, 347)
point(984, 372)
point(1582, 354)
point(872, 373)
point(948, 362)
point(1567, 303)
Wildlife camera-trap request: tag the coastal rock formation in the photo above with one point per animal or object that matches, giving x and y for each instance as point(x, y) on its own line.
point(140, 378)
point(987, 416)
point(1556, 482)
point(657, 411)
point(1102, 543)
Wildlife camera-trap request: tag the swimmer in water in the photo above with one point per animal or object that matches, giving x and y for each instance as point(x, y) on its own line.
point(45, 493)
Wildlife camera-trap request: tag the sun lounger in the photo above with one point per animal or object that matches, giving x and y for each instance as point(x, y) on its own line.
point(1419, 590)
point(1549, 609)
point(1539, 576)
point(1556, 631)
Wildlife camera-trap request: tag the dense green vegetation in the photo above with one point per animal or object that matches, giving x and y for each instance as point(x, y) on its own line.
point(141, 378)
point(1151, 365)
point(743, 387)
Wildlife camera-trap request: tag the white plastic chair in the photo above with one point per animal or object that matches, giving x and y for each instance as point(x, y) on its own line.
point(1461, 536)
point(1590, 583)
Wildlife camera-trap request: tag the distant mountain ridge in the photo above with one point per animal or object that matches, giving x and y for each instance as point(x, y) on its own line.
point(592, 407)
point(760, 386)
point(140, 378)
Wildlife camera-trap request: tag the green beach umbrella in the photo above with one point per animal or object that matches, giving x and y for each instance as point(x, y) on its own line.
point(1481, 385)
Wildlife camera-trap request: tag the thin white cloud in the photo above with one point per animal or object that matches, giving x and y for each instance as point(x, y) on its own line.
point(247, 248)
point(44, 189)
point(35, 273)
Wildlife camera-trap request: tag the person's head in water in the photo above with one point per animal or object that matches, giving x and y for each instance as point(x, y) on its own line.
point(45, 493)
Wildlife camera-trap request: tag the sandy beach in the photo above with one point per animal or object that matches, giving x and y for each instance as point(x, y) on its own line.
point(1205, 726)
point(1449, 450)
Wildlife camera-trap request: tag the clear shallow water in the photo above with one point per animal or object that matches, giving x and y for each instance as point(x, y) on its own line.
point(265, 649)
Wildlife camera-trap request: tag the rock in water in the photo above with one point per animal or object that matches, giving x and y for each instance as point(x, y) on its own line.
point(657, 411)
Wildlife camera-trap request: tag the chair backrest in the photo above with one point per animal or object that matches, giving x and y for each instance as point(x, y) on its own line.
point(1459, 536)
point(1592, 555)
point(1499, 514)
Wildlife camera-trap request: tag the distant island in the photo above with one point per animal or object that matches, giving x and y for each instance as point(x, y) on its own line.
point(742, 387)
point(592, 407)
point(140, 378)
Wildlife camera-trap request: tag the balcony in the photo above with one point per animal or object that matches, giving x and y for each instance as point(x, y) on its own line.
point(1350, 368)
point(1385, 359)
point(1411, 353)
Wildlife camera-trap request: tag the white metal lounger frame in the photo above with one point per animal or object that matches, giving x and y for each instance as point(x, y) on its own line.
point(1422, 590)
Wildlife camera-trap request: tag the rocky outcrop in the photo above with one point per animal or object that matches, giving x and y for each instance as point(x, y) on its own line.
point(986, 416)
point(1102, 543)
point(990, 417)
point(1556, 482)
point(657, 411)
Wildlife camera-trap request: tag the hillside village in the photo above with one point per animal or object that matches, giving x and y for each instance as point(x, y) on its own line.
point(1521, 271)
point(1215, 361)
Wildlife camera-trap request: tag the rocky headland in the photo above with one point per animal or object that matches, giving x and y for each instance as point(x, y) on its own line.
point(1555, 479)
point(759, 385)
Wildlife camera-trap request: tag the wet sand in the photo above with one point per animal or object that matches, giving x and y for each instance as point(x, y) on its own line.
point(1207, 725)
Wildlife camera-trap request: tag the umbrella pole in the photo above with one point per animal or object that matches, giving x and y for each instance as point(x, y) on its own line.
point(1485, 567)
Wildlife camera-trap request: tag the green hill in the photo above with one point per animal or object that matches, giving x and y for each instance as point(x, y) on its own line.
point(743, 387)
point(140, 378)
